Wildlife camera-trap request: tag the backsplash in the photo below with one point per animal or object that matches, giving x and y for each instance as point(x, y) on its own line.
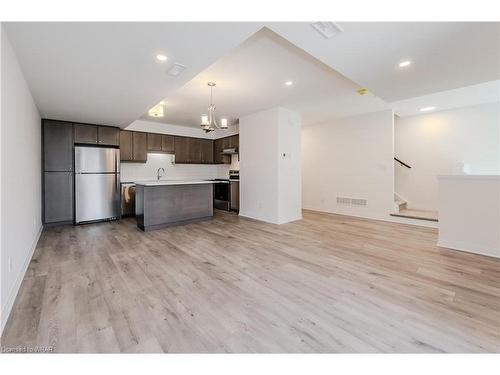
point(147, 171)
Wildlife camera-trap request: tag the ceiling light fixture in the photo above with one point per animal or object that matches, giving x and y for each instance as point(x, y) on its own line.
point(157, 111)
point(161, 57)
point(427, 109)
point(289, 83)
point(327, 29)
point(176, 69)
point(404, 64)
point(209, 122)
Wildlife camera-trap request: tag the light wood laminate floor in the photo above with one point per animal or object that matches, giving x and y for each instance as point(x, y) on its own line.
point(326, 283)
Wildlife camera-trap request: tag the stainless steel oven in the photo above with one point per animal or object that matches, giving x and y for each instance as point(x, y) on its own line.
point(222, 193)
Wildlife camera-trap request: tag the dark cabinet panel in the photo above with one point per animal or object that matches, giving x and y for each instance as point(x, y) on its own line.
point(207, 151)
point(217, 151)
point(140, 146)
point(194, 150)
point(154, 142)
point(58, 197)
point(167, 143)
point(108, 136)
point(181, 145)
point(235, 141)
point(57, 146)
point(85, 133)
point(226, 142)
point(126, 145)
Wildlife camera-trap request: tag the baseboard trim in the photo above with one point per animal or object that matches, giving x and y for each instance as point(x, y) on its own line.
point(390, 219)
point(7, 308)
point(478, 250)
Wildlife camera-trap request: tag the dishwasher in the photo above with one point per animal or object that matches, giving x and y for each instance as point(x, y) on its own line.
point(128, 199)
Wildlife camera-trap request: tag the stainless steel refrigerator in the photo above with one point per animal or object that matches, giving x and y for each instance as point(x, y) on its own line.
point(97, 184)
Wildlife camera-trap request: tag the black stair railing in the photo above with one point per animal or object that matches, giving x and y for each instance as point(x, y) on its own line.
point(402, 163)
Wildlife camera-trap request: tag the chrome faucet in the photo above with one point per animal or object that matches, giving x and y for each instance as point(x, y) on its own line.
point(158, 173)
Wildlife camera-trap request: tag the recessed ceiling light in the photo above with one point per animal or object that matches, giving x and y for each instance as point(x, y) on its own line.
point(405, 63)
point(288, 83)
point(161, 57)
point(427, 109)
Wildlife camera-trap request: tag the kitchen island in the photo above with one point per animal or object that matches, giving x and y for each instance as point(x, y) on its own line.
point(159, 204)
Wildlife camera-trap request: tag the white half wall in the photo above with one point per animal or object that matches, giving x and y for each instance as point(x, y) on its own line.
point(350, 158)
point(438, 143)
point(469, 213)
point(270, 170)
point(21, 223)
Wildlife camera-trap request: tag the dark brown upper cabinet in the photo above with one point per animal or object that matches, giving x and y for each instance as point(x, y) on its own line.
point(194, 150)
point(140, 146)
point(126, 145)
point(108, 135)
point(85, 134)
point(182, 146)
point(167, 143)
point(235, 141)
point(57, 146)
point(133, 146)
point(207, 151)
point(222, 144)
point(154, 142)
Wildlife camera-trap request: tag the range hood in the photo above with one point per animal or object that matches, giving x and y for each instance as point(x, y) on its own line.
point(230, 151)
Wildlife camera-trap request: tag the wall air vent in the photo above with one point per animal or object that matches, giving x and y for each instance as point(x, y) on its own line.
point(327, 29)
point(344, 201)
point(176, 69)
point(358, 202)
point(351, 201)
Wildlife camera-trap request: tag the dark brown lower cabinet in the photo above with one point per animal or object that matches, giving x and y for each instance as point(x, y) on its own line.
point(58, 197)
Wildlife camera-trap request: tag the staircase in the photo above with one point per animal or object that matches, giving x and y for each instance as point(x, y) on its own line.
point(402, 210)
point(401, 205)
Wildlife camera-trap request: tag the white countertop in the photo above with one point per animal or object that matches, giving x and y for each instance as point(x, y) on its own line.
point(177, 182)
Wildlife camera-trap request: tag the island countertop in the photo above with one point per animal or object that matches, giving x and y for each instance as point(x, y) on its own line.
point(177, 182)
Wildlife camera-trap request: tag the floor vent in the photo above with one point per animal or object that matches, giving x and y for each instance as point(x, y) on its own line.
point(351, 201)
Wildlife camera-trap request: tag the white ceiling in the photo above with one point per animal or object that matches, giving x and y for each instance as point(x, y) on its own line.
point(444, 55)
point(488, 92)
point(107, 73)
point(252, 77)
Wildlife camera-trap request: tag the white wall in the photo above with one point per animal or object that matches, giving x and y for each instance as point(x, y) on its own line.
point(20, 177)
point(270, 172)
point(436, 143)
point(350, 158)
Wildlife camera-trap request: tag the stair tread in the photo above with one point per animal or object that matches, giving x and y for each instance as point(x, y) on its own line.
point(417, 214)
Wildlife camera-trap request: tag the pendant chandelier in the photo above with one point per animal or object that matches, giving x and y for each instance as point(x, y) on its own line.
point(209, 122)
